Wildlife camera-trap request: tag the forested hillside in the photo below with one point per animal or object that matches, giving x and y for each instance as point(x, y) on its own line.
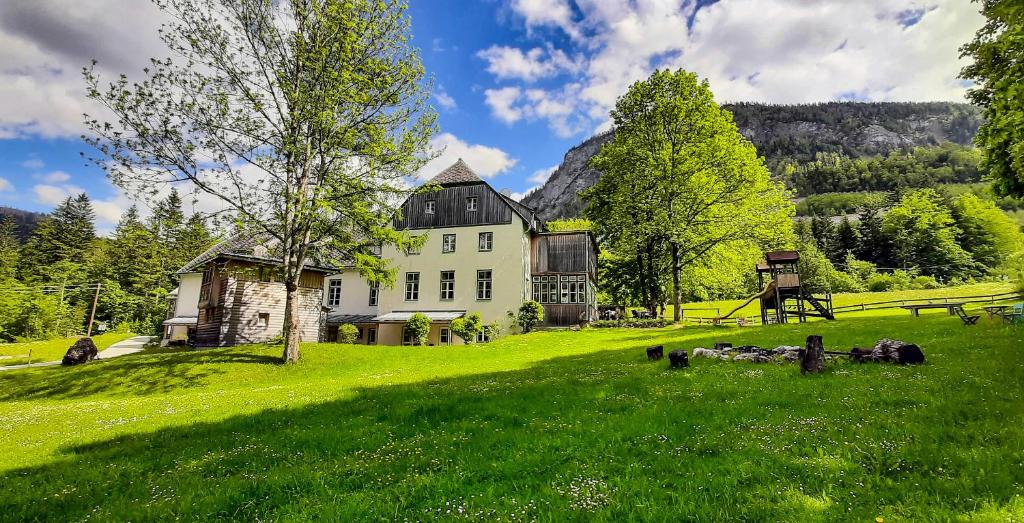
point(48, 282)
point(24, 221)
point(815, 148)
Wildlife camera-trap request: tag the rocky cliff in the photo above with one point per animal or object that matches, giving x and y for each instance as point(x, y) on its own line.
point(788, 132)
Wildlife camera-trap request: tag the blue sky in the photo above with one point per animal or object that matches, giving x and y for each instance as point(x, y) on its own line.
point(517, 82)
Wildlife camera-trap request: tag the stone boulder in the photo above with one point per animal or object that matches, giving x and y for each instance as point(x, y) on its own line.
point(82, 351)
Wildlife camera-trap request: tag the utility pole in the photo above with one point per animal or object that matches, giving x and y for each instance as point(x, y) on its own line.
point(92, 315)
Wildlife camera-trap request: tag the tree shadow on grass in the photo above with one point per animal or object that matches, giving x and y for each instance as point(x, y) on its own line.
point(152, 371)
point(601, 436)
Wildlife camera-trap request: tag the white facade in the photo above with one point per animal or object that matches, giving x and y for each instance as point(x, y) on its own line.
point(507, 262)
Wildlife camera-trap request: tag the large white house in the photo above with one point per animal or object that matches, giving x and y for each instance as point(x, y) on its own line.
point(484, 252)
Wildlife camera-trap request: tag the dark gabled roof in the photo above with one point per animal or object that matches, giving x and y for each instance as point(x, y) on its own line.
point(526, 213)
point(261, 248)
point(457, 173)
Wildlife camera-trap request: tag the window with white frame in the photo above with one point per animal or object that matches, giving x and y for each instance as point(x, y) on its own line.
point(483, 284)
point(263, 320)
point(412, 286)
point(448, 243)
point(486, 241)
point(482, 337)
point(371, 335)
point(471, 203)
point(447, 285)
point(334, 293)
point(545, 289)
point(446, 336)
point(374, 293)
point(429, 206)
point(413, 250)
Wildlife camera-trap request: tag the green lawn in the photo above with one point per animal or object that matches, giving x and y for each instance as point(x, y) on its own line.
point(840, 299)
point(52, 350)
point(550, 426)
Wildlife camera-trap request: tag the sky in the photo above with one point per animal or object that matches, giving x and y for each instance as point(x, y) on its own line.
point(516, 82)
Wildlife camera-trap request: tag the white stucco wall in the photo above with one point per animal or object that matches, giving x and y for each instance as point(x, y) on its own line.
point(508, 261)
point(188, 294)
point(355, 293)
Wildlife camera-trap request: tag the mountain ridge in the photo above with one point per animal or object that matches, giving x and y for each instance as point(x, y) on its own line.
point(788, 132)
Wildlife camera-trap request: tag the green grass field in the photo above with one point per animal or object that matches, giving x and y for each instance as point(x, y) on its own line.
point(841, 299)
point(550, 426)
point(51, 350)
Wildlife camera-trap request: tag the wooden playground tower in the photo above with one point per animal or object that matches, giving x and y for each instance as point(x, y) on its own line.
point(782, 294)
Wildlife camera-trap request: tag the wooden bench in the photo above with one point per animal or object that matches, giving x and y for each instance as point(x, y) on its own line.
point(951, 307)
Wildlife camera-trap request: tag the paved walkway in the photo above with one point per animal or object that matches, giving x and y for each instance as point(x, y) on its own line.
point(121, 348)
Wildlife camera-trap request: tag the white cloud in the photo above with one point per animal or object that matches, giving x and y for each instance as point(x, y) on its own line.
point(487, 162)
point(5, 185)
point(53, 195)
point(511, 63)
point(880, 50)
point(34, 163)
point(540, 13)
point(541, 175)
point(444, 99)
point(501, 102)
point(54, 177)
point(45, 43)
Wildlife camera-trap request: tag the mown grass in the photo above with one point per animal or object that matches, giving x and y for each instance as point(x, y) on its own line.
point(52, 350)
point(841, 299)
point(550, 426)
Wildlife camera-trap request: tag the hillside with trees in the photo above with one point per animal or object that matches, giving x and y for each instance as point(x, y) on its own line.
point(813, 148)
point(49, 281)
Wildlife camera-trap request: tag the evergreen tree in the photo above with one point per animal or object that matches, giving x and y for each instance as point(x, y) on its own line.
point(9, 248)
point(875, 246)
point(847, 241)
point(66, 235)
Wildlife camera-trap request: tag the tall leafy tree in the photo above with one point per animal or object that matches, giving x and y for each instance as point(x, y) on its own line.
point(985, 231)
point(679, 173)
point(302, 117)
point(924, 236)
point(998, 73)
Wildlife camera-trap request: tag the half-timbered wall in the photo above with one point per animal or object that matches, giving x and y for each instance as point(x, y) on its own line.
point(450, 208)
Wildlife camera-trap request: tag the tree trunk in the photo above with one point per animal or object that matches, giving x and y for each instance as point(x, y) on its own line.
point(676, 276)
point(291, 323)
point(813, 359)
point(652, 279)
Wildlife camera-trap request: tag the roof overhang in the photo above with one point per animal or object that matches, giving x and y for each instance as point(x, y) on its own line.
point(182, 320)
point(403, 316)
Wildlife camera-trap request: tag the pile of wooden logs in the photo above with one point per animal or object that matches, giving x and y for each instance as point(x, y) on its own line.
point(813, 355)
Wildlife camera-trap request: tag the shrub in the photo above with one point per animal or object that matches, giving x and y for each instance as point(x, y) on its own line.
point(491, 331)
point(468, 327)
point(631, 323)
point(418, 327)
point(348, 333)
point(924, 282)
point(531, 314)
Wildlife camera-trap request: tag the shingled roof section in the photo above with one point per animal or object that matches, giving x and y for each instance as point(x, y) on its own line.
point(262, 248)
point(457, 174)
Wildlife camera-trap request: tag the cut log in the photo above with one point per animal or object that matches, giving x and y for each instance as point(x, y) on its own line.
point(813, 359)
point(655, 353)
point(678, 359)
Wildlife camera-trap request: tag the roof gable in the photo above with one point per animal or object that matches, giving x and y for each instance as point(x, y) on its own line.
point(457, 173)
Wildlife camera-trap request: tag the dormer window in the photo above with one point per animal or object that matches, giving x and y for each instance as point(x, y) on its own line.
point(429, 207)
point(471, 203)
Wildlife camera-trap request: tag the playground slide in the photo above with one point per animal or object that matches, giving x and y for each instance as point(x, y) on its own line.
point(768, 289)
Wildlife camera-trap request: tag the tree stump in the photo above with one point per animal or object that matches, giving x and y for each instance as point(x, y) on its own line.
point(82, 351)
point(655, 353)
point(677, 359)
point(813, 359)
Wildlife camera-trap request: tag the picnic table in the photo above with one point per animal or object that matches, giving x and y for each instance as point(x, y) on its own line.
point(951, 307)
point(996, 310)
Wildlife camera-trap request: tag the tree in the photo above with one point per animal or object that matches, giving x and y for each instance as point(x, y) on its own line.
point(847, 240)
point(9, 248)
point(985, 231)
point(679, 173)
point(417, 327)
point(530, 315)
point(924, 236)
point(302, 118)
point(348, 333)
point(875, 246)
point(467, 327)
point(998, 74)
point(67, 235)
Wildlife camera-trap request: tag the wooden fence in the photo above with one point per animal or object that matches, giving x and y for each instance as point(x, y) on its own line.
point(893, 304)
